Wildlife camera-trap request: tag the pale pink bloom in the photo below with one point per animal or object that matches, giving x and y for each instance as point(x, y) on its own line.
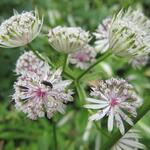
point(83, 57)
point(116, 99)
point(29, 63)
point(39, 95)
point(130, 141)
point(139, 61)
point(20, 29)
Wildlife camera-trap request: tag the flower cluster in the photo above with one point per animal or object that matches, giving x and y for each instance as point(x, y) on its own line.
point(83, 57)
point(113, 98)
point(129, 141)
point(20, 29)
point(39, 90)
point(125, 36)
point(68, 39)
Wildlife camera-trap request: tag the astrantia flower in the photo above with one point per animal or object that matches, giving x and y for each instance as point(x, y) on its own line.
point(83, 57)
point(38, 96)
point(28, 63)
point(139, 61)
point(130, 141)
point(102, 36)
point(116, 99)
point(129, 34)
point(20, 29)
point(68, 39)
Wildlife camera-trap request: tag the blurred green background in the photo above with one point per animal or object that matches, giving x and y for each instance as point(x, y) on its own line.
point(19, 133)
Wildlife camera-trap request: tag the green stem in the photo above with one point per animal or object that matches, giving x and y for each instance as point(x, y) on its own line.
point(101, 58)
point(54, 135)
point(40, 55)
point(80, 91)
point(116, 136)
point(65, 62)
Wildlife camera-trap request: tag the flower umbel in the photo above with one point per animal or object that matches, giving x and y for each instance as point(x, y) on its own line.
point(83, 57)
point(129, 141)
point(28, 63)
point(20, 29)
point(116, 99)
point(39, 95)
point(102, 35)
point(68, 39)
point(129, 34)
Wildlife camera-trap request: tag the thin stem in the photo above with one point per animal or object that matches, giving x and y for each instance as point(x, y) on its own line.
point(54, 135)
point(101, 58)
point(65, 62)
point(51, 121)
point(80, 91)
point(40, 55)
point(66, 74)
point(116, 136)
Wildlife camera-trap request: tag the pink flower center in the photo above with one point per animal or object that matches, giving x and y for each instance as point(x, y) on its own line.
point(82, 57)
point(40, 93)
point(113, 102)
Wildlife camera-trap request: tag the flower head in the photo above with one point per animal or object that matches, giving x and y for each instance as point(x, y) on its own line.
point(116, 99)
point(28, 63)
point(129, 141)
point(129, 34)
point(68, 39)
point(83, 57)
point(39, 95)
point(102, 35)
point(20, 29)
point(139, 61)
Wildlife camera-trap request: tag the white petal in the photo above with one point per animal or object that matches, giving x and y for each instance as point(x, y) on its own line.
point(134, 144)
point(93, 100)
point(110, 120)
point(125, 147)
point(62, 84)
point(100, 114)
point(119, 123)
point(125, 117)
point(95, 106)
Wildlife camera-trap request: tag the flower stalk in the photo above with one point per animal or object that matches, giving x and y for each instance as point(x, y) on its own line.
point(65, 62)
point(55, 135)
point(40, 56)
point(101, 58)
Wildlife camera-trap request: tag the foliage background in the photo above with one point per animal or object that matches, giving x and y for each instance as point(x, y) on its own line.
point(19, 133)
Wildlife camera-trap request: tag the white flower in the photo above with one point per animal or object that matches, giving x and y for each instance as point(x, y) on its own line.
point(28, 63)
point(20, 29)
point(139, 61)
point(68, 39)
point(102, 35)
point(130, 141)
point(83, 57)
point(116, 99)
point(129, 34)
point(39, 95)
